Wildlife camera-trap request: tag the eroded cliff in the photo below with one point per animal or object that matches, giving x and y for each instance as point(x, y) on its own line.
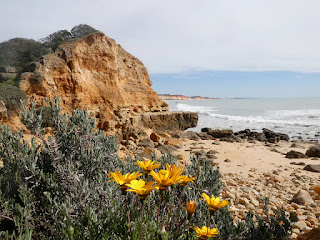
point(97, 74)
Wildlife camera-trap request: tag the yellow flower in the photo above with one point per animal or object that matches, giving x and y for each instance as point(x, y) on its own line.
point(168, 177)
point(122, 180)
point(214, 203)
point(147, 166)
point(184, 180)
point(142, 189)
point(175, 170)
point(191, 207)
point(205, 232)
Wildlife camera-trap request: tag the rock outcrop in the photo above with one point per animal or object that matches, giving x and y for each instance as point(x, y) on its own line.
point(97, 74)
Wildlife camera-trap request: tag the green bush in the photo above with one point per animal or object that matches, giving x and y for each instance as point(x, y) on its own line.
point(11, 95)
point(56, 188)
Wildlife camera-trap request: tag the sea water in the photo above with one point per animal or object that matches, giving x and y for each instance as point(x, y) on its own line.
point(297, 117)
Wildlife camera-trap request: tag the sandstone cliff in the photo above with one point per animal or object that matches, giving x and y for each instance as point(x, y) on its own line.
point(95, 73)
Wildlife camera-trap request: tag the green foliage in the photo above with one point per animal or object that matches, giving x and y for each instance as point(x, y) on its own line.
point(19, 52)
point(82, 30)
point(56, 188)
point(11, 95)
point(55, 39)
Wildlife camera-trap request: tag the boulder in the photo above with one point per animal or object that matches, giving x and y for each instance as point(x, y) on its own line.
point(274, 137)
point(314, 234)
point(295, 154)
point(302, 198)
point(312, 168)
point(313, 151)
point(220, 133)
point(169, 121)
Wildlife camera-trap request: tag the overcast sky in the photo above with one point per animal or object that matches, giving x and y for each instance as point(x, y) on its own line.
point(179, 36)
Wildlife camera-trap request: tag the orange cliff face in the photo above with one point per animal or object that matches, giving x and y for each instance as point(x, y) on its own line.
point(95, 73)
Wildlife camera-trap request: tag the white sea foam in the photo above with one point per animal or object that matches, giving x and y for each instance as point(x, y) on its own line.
point(238, 115)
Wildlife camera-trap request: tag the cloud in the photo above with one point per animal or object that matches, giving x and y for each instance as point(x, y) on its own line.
point(183, 35)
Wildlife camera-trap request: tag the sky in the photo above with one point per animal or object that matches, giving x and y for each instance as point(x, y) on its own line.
point(186, 44)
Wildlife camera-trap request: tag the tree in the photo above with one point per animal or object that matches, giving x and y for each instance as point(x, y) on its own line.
point(56, 38)
point(82, 30)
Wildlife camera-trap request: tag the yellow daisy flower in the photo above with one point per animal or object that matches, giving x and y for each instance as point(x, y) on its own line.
point(168, 177)
point(141, 188)
point(214, 203)
point(121, 179)
point(147, 166)
point(205, 232)
point(184, 180)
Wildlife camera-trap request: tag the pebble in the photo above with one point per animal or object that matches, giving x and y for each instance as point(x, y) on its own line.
point(245, 193)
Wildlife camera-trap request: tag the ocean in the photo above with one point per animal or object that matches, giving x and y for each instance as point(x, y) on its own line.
point(297, 117)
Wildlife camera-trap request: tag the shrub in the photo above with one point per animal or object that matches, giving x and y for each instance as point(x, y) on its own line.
point(56, 188)
point(11, 95)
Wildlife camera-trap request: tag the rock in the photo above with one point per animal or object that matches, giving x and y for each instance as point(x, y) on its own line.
point(294, 145)
point(312, 168)
point(169, 121)
point(227, 160)
point(220, 133)
point(295, 154)
point(155, 137)
point(146, 142)
point(165, 149)
point(191, 135)
point(313, 151)
point(317, 190)
point(302, 198)
point(205, 136)
point(299, 225)
point(313, 234)
point(3, 112)
point(298, 163)
point(172, 141)
point(274, 137)
point(149, 151)
point(277, 179)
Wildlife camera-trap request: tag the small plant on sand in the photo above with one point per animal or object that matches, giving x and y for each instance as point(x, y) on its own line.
point(71, 185)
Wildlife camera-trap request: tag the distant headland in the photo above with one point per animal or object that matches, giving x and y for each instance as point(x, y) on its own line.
point(182, 97)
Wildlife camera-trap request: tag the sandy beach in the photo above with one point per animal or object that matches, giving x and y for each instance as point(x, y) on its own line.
point(252, 170)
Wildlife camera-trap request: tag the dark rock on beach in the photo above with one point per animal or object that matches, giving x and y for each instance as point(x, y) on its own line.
point(266, 135)
point(217, 133)
point(313, 151)
point(312, 168)
point(295, 154)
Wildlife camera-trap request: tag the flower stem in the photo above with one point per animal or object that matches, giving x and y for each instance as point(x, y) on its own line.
point(158, 215)
point(141, 220)
point(179, 211)
point(129, 222)
point(168, 220)
point(208, 223)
